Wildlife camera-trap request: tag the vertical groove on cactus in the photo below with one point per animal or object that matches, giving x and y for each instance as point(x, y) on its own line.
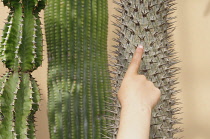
point(66, 96)
point(21, 52)
point(86, 84)
point(77, 74)
point(77, 59)
point(83, 135)
point(148, 22)
point(23, 106)
point(26, 48)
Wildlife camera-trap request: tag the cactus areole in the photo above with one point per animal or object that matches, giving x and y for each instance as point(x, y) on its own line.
point(21, 52)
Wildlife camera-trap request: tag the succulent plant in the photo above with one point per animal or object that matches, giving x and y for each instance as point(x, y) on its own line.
point(21, 45)
point(78, 78)
point(150, 23)
point(21, 52)
point(19, 97)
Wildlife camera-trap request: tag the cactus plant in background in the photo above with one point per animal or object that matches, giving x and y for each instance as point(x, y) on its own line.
point(21, 52)
point(78, 78)
point(148, 22)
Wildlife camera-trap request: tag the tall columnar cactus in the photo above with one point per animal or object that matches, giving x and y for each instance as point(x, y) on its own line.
point(21, 52)
point(78, 78)
point(150, 23)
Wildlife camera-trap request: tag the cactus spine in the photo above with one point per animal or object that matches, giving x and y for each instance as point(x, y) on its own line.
point(21, 52)
point(148, 22)
point(78, 78)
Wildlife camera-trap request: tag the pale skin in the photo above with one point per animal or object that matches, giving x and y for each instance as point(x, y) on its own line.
point(137, 97)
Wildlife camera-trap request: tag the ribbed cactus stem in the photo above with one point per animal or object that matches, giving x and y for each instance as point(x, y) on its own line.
point(21, 52)
point(78, 78)
point(21, 45)
point(148, 22)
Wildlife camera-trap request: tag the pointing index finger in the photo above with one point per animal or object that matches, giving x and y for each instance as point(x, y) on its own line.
point(136, 61)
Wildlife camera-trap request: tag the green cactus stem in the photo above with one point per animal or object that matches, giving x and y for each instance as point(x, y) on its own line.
point(21, 52)
point(150, 23)
point(21, 45)
point(19, 101)
point(78, 78)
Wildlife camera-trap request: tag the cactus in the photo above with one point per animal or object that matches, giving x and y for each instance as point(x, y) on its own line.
point(21, 45)
point(150, 23)
point(78, 78)
point(21, 52)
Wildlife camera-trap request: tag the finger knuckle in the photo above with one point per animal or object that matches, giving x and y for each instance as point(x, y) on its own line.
point(142, 77)
point(158, 91)
point(150, 83)
point(119, 95)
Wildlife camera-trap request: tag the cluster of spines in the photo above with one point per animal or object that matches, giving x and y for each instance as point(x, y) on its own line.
point(76, 33)
point(21, 52)
point(149, 23)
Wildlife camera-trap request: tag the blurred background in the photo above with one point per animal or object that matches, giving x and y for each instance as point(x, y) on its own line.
point(192, 38)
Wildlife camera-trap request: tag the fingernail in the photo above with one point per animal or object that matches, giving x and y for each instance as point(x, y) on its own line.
point(141, 46)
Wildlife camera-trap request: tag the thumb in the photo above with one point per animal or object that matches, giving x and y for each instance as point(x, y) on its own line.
point(136, 61)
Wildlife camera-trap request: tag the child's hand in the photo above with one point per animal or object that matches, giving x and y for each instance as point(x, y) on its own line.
point(135, 89)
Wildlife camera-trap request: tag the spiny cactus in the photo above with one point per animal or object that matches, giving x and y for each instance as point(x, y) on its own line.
point(21, 52)
point(21, 45)
point(150, 23)
point(78, 78)
point(19, 102)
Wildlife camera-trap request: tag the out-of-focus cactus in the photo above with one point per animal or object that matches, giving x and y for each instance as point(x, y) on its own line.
point(150, 23)
point(78, 78)
point(21, 52)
